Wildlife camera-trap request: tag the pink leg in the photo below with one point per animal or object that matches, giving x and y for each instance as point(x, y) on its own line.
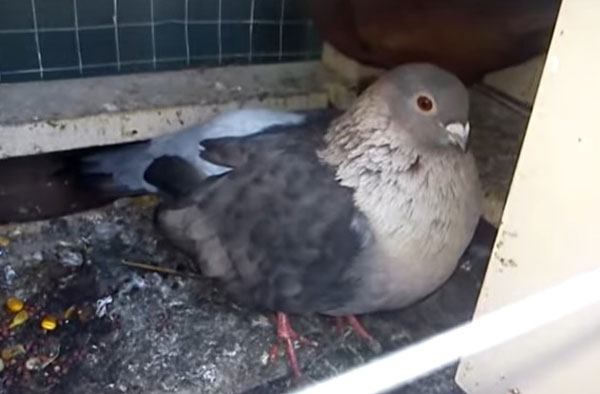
point(360, 330)
point(339, 324)
point(287, 335)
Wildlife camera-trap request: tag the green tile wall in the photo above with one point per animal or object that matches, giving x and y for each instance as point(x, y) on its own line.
point(49, 39)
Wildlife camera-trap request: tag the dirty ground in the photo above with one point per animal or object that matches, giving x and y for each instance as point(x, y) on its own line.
point(127, 330)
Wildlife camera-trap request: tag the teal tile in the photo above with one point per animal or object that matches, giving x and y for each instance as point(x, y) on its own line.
point(292, 58)
point(169, 9)
point(62, 74)
point(295, 10)
point(265, 38)
point(235, 38)
point(100, 71)
point(204, 63)
point(138, 67)
point(171, 65)
point(135, 43)
point(234, 60)
point(267, 10)
point(204, 9)
point(94, 12)
point(204, 40)
point(264, 59)
point(55, 13)
point(314, 42)
point(21, 77)
point(59, 49)
point(170, 41)
point(133, 11)
point(98, 46)
point(295, 38)
point(236, 10)
point(18, 52)
point(16, 14)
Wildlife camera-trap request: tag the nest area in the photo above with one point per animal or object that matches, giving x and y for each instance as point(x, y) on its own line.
point(127, 330)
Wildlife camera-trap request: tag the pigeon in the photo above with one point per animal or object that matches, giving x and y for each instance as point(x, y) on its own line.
point(337, 215)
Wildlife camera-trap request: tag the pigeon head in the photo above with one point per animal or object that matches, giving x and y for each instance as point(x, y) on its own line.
point(430, 104)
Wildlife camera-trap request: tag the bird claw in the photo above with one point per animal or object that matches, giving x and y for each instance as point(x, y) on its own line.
point(306, 342)
point(375, 346)
point(359, 329)
point(273, 353)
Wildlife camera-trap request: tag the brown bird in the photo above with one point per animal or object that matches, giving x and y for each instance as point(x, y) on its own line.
point(467, 37)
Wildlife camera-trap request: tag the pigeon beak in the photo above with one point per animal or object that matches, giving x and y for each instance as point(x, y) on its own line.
point(458, 134)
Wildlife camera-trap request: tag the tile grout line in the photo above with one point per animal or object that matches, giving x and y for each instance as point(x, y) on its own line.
point(281, 18)
point(219, 31)
point(115, 23)
point(153, 34)
point(251, 33)
point(307, 33)
point(187, 33)
point(37, 39)
point(251, 56)
point(77, 42)
point(157, 23)
point(163, 60)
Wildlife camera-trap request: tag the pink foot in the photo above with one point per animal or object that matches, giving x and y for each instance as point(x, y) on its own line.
point(358, 328)
point(287, 335)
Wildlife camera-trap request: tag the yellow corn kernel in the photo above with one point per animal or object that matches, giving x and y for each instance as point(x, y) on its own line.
point(144, 201)
point(69, 312)
point(49, 323)
point(4, 242)
point(19, 319)
point(14, 304)
point(12, 352)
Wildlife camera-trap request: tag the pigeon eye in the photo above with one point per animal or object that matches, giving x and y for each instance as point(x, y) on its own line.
point(424, 103)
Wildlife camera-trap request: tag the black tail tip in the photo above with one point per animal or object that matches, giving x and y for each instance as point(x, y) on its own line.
point(173, 175)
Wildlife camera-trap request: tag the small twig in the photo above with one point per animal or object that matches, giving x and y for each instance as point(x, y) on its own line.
point(156, 268)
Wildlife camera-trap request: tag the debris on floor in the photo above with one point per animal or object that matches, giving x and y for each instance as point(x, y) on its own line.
point(76, 319)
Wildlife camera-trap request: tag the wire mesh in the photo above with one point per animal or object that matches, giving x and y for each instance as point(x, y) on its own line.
point(47, 39)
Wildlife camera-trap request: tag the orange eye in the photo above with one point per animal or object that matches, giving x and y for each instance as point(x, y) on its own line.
point(424, 103)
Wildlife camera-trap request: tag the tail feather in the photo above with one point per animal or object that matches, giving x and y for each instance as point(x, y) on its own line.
point(122, 170)
point(113, 171)
point(173, 175)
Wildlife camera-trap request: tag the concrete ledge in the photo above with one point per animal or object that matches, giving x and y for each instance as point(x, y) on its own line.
point(47, 116)
point(519, 82)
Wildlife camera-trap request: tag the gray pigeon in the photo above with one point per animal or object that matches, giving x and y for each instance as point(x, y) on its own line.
point(367, 212)
point(371, 214)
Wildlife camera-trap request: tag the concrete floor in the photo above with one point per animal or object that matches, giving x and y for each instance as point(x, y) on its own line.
point(162, 333)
